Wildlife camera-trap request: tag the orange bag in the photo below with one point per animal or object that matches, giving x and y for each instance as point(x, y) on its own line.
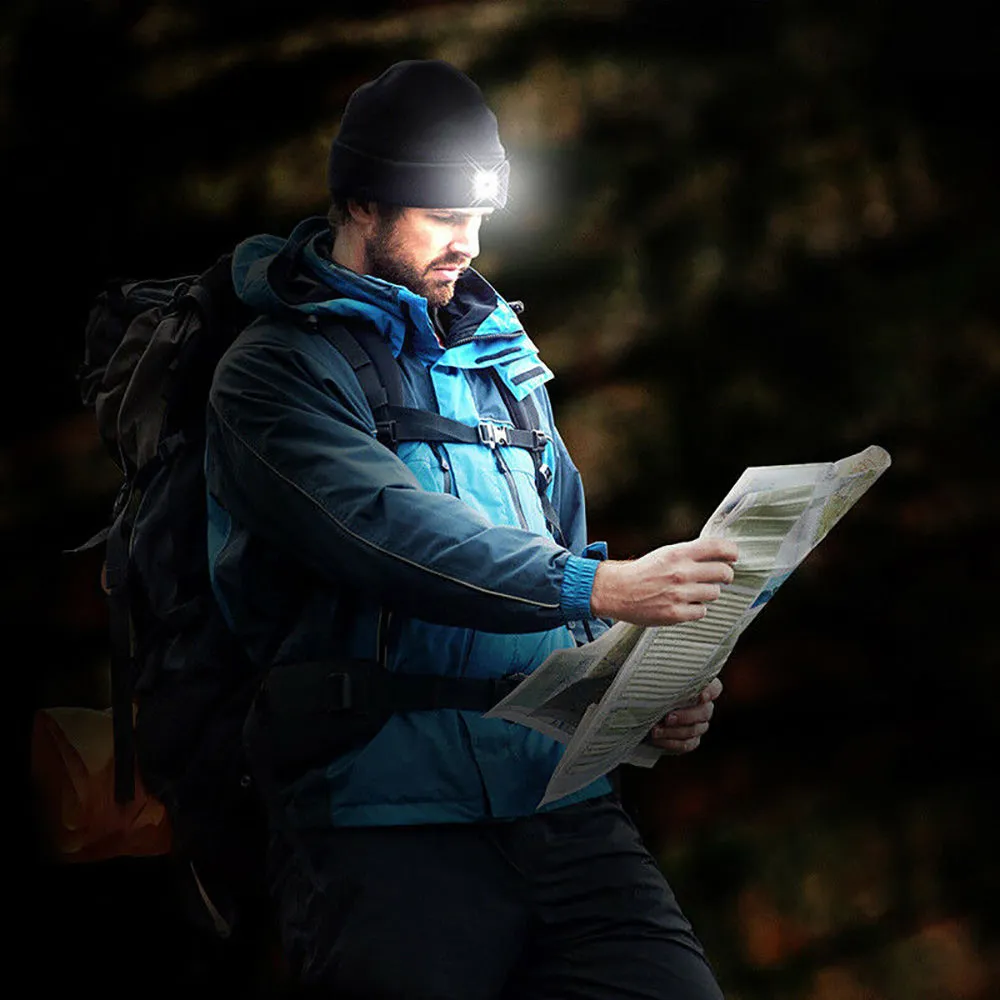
point(72, 769)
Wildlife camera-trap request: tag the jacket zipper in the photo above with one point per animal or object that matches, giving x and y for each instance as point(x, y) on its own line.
point(501, 463)
point(382, 640)
point(468, 339)
point(438, 450)
point(512, 486)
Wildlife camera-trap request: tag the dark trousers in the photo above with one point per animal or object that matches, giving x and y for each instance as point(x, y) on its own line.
point(564, 905)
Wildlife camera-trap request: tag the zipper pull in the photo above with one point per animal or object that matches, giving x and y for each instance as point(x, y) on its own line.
point(445, 467)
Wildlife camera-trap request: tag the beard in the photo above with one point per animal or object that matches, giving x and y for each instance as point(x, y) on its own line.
point(387, 259)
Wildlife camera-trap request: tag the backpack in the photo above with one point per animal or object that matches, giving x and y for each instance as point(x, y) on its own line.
point(182, 686)
point(180, 682)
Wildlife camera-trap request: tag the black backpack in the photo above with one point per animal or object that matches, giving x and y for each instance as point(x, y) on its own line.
point(180, 682)
point(182, 686)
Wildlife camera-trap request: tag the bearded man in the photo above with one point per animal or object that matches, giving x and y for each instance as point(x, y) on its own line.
point(412, 860)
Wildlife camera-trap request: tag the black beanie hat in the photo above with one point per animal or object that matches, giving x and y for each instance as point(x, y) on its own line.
point(419, 135)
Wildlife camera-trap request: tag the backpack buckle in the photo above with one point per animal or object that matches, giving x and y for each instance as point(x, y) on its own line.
point(386, 433)
point(539, 439)
point(122, 498)
point(340, 694)
point(502, 686)
point(492, 434)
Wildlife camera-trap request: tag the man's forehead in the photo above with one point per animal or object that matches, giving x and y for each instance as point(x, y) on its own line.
point(470, 212)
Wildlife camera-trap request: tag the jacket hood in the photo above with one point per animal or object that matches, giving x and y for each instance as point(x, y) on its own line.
point(277, 276)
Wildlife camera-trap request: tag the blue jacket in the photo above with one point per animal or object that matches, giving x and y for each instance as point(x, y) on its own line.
point(318, 533)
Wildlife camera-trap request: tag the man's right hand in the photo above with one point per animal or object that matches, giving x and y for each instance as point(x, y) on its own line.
point(671, 584)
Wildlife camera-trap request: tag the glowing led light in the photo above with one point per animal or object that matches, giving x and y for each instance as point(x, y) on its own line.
point(485, 185)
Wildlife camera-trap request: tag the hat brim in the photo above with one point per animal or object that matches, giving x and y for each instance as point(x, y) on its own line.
point(358, 175)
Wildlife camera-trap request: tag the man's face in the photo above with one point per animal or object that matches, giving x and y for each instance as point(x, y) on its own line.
point(425, 249)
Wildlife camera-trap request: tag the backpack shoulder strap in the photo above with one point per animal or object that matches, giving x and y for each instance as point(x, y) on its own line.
point(372, 360)
point(378, 372)
point(524, 415)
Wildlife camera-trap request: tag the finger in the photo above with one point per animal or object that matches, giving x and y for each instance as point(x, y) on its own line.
point(678, 746)
point(692, 716)
point(686, 612)
point(697, 593)
point(711, 549)
point(711, 691)
point(678, 733)
point(712, 572)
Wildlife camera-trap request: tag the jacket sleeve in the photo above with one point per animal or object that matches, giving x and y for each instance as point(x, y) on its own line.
point(291, 454)
point(568, 500)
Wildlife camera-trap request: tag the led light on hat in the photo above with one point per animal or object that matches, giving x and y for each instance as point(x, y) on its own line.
point(488, 184)
point(485, 185)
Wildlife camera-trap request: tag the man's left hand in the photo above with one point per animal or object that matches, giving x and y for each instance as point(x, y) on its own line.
point(681, 731)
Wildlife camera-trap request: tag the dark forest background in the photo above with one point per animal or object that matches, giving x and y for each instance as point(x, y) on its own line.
point(746, 233)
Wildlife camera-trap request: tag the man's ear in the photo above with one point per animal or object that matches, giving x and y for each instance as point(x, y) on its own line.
point(364, 213)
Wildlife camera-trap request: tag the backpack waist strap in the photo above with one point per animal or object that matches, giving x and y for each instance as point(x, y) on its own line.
point(362, 686)
point(308, 713)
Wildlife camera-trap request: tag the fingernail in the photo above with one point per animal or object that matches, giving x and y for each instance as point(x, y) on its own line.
point(672, 719)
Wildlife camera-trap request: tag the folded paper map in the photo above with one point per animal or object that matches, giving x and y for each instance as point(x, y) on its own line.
point(602, 699)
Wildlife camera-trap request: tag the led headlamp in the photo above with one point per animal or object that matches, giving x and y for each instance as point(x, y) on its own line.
point(489, 185)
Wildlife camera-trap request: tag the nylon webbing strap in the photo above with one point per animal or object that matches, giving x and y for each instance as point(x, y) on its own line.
point(543, 476)
point(420, 692)
point(363, 687)
point(404, 423)
point(381, 385)
point(312, 712)
point(100, 538)
point(525, 415)
point(119, 619)
point(384, 362)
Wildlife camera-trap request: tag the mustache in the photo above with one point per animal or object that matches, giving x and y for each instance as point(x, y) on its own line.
point(460, 262)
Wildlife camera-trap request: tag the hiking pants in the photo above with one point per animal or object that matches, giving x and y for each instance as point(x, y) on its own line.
point(564, 905)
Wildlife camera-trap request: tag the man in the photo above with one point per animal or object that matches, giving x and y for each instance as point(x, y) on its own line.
point(412, 860)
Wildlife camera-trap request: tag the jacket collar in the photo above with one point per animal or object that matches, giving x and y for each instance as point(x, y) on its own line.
point(475, 315)
point(483, 330)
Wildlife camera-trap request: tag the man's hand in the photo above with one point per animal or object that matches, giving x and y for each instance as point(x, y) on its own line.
point(681, 731)
point(671, 584)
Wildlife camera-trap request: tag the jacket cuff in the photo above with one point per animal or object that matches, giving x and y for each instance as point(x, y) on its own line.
point(578, 582)
point(596, 550)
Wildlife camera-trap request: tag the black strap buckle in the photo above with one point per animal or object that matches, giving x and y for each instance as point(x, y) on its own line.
point(386, 432)
point(122, 498)
point(340, 697)
point(539, 439)
point(502, 686)
point(492, 434)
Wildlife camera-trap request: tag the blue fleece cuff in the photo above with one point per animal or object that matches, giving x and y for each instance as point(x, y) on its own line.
point(578, 582)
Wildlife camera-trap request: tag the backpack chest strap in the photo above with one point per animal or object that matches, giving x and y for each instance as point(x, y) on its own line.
point(403, 423)
point(378, 373)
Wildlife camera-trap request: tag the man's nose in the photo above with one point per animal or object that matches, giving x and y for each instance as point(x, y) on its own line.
point(465, 239)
